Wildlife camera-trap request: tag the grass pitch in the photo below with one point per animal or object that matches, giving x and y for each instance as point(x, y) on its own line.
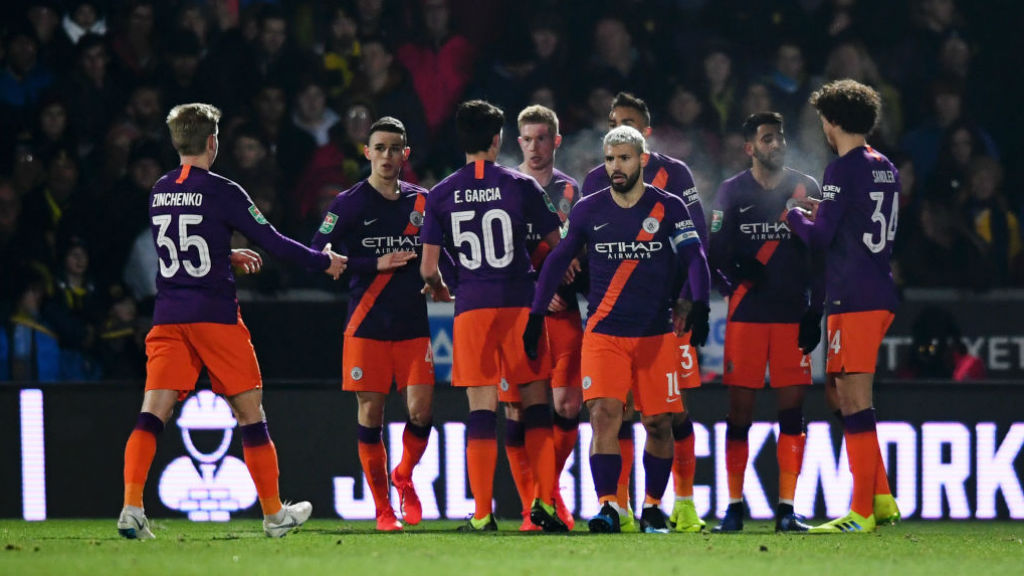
point(183, 548)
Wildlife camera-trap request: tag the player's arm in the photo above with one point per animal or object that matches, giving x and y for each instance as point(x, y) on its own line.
point(721, 242)
point(550, 278)
point(686, 244)
point(431, 237)
point(242, 215)
point(817, 228)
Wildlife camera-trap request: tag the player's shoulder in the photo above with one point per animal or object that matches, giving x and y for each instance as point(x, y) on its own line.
point(410, 188)
point(505, 174)
point(449, 183)
point(737, 180)
point(671, 165)
point(799, 177)
point(663, 196)
point(563, 177)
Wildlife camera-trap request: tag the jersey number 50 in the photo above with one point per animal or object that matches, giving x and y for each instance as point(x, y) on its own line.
point(489, 248)
point(887, 232)
point(185, 242)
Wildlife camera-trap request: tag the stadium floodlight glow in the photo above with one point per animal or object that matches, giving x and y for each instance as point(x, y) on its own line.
point(33, 456)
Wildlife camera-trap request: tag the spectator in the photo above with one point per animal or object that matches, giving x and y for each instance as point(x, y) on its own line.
point(937, 349)
point(788, 81)
point(290, 148)
point(181, 81)
point(120, 347)
point(55, 49)
point(311, 114)
point(961, 144)
point(617, 60)
point(923, 142)
point(341, 51)
point(28, 347)
point(73, 313)
point(23, 79)
point(985, 209)
point(850, 59)
point(135, 45)
point(125, 210)
point(685, 132)
point(720, 87)
point(943, 254)
point(94, 97)
point(83, 17)
point(60, 206)
point(387, 86)
point(273, 58)
point(440, 63)
point(52, 131)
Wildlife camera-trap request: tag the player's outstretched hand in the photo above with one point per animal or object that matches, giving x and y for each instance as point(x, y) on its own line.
point(439, 293)
point(394, 260)
point(749, 269)
point(532, 334)
point(808, 206)
point(245, 261)
point(697, 323)
point(810, 331)
point(338, 262)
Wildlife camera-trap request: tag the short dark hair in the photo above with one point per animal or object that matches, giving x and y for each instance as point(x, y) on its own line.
point(756, 120)
point(388, 124)
point(628, 100)
point(476, 124)
point(852, 106)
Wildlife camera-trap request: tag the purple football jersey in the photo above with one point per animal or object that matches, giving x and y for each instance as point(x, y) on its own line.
point(563, 192)
point(481, 214)
point(856, 226)
point(364, 225)
point(193, 213)
point(634, 255)
point(665, 172)
point(745, 223)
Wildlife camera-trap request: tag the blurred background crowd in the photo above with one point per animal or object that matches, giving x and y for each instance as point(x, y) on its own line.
point(85, 86)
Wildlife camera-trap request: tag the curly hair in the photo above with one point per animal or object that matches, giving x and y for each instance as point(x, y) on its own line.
point(852, 106)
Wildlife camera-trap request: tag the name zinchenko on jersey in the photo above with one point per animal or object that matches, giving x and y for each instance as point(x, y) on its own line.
point(480, 195)
point(177, 199)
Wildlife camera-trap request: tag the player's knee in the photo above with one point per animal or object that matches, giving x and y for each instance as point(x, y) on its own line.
point(568, 407)
point(420, 416)
point(791, 421)
point(658, 427)
point(736, 432)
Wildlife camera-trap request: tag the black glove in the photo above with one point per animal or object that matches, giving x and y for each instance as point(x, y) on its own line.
point(749, 269)
point(697, 323)
point(810, 331)
point(532, 334)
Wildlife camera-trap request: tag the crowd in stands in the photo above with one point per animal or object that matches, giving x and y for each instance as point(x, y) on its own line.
point(85, 87)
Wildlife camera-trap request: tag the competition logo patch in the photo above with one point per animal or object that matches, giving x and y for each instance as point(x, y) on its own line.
point(416, 218)
point(716, 220)
point(330, 219)
point(256, 214)
point(587, 382)
point(550, 204)
point(651, 225)
point(504, 385)
point(357, 373)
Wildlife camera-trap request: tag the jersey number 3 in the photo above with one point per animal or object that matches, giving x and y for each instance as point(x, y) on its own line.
point(488, 249)
point(185, 242)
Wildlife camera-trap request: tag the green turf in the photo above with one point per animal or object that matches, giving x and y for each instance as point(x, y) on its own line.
point(74, 547)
